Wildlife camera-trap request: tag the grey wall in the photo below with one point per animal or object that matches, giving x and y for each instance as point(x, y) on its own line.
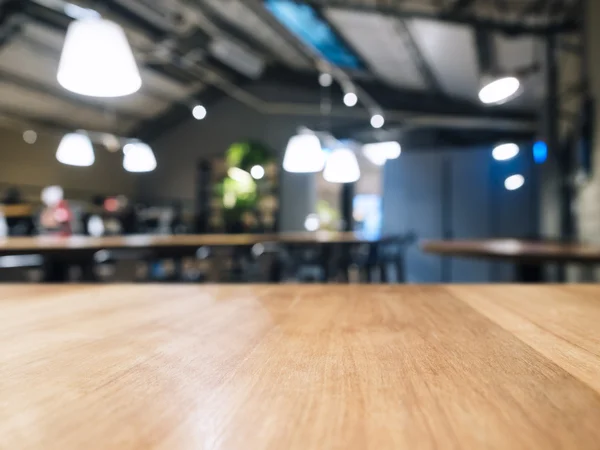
point(458, 195)
point(31, 167)
point(229, 121)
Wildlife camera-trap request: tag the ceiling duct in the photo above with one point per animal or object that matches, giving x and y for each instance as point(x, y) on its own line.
point(237, 57)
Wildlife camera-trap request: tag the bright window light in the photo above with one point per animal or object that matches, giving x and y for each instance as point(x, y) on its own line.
point(514, 182)
point(499, 90)
point(304, 22)
point(97, 60)
point(505, 152)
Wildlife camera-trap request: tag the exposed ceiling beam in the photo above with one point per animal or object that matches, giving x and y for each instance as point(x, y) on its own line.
point(417, 56)
point(44, 123)
point(486, 51)
point(409, 100)
point(396, 9)
point(432, 138)
point(64, 95)
point(460, 6)
point(231, 32)
point(340, 36)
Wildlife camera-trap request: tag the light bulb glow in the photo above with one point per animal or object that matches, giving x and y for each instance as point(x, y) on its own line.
point(75, 149)
point(514, 182)
point(30, 136)
point(312, 222)
point(377, 121)
point(138, 157)
point(504, 152)
point(97, 61)
point(304, 154)
point(499, 90)
point(199, 112)
point(52, 195)
point(350, 99)
point(379, 152)
point(540, 152)
point(342, 167)
point(239, 175)
point(257, 172)
point(325, 80)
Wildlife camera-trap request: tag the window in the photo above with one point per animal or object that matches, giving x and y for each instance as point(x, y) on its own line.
point(306, 23)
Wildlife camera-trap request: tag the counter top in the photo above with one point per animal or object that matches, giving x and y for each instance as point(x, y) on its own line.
point(44, 244)
point(299, 367)
point(516, 250)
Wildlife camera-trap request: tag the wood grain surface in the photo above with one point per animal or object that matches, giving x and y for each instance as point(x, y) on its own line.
point(299, 367)
point(515, 250)
point(55, 243)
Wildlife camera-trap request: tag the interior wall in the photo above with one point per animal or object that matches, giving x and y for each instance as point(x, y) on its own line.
point(587, 207)
point(30, 167)
point(228, 121)
point(446, 194)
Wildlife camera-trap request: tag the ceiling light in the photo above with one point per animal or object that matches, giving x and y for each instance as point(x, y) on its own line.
point(30, 136)
point(540, 152)
point(97, 60)
point(514, 182)
point(312, 222)
point(505, 152)
point(350, 99)
point(199, 112)
point(138, 157)
point(377, 121)
point(75, 149)
point(257, 172)
point(304, 154)
point(378, 153)
point(52, 195)
point(342, 167)
point(237, 57)
point(325, 79)
point(499, 90)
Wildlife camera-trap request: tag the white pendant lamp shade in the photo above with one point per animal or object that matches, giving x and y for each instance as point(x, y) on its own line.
point(499, 90)
point(75, 149)
point(379, 152)
point(138, 157)
point(342, 167)
point(304, 154)
point(97, 60)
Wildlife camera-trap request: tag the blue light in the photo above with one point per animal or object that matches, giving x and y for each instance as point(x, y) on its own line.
point(304, 22)
point(540, 152)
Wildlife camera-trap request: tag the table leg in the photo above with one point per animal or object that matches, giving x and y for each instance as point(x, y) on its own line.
point(529, 273)
point(55, 271)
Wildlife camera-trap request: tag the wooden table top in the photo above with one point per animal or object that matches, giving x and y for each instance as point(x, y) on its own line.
point(54, 243)
point(515, 250)
point(299, 367)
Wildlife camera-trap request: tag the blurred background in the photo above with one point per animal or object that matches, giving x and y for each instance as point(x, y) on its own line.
point(397, 121)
